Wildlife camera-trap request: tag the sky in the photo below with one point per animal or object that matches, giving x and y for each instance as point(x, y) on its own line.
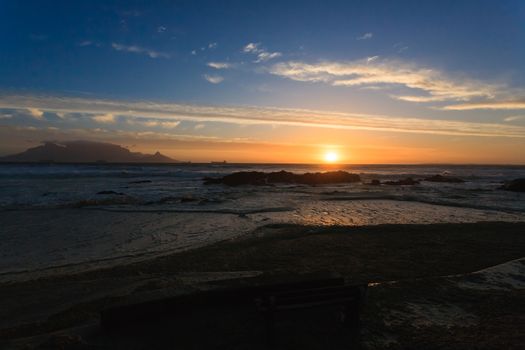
point(260, 81)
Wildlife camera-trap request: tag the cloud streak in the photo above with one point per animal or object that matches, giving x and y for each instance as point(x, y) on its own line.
point(36, 113)
point(257, 115)
point(514, 118)
point(365, 36)
point(433, 84)
point(107, 118)
point(155, 123)
point(491, 105)
point(214, 79)
point(219, 65)
point(85, 43)
point(262, 54)
point(139, 50)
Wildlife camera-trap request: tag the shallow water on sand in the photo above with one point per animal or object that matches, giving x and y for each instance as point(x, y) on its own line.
point(54, 220)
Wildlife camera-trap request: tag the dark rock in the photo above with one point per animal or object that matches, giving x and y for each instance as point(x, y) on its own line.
point(140, 182)
point(516, 185)
point(329, 177)
point(212, 180)
point(188, 199)
point(260, 178)
point(441, 178)
point(282, 177)
point(334, 192)
point(111, 192)
point(374, 183)
point(403, 182)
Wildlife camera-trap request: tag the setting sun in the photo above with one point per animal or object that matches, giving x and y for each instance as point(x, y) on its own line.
point(331, 157)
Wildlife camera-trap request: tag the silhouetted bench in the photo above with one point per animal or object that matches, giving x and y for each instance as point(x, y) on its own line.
point(269, 298)
point(335, 293)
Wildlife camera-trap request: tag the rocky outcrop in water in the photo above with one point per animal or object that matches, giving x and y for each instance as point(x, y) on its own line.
point(517, 185)
point(140, 182)
point(262, 178)
point(111, 192)
point(441, 178)
point(403, 182)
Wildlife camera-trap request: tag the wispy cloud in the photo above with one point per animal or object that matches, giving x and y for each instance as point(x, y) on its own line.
point(219, 65)
point(492, 105)
point(371, 59)
point(210, 46)
point(85, 43)
point(436, 85)
point(513, 118)
point(251, 47)
point(139, 50)
point(36, 113)
point(262, 54)
point(400, 47)
point(149, 123)
point(107, 118)
point(365, 36)
point(17, 133)
point(170, 124)
point(214, 79)
point(161, 29)
point(266, 56)
point(167, 124)
point(258, 115)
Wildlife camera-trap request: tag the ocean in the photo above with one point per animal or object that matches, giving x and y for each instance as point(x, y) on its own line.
point(76, 217)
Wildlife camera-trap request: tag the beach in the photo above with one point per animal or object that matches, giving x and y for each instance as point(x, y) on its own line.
point(158, 232)
point(402, 264)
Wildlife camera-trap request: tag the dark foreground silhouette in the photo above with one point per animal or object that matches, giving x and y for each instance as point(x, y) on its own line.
point(269, 304)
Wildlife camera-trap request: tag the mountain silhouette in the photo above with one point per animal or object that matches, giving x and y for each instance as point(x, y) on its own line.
point(84, 152)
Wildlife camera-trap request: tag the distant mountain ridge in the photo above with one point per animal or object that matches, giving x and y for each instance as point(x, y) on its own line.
point(84, 152)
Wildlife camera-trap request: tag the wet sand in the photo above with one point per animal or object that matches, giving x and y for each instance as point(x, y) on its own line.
point(42, 242)
point(419, 290)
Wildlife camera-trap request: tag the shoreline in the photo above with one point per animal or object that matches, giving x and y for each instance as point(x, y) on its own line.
point(77, 240)
point(365, 254)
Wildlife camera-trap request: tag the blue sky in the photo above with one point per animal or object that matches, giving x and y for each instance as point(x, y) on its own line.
point(166, 69)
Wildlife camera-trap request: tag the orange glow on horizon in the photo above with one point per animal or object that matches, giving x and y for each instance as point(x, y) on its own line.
point(301, 146)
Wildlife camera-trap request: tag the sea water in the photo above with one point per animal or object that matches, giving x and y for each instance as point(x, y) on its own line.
point(84, 216)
